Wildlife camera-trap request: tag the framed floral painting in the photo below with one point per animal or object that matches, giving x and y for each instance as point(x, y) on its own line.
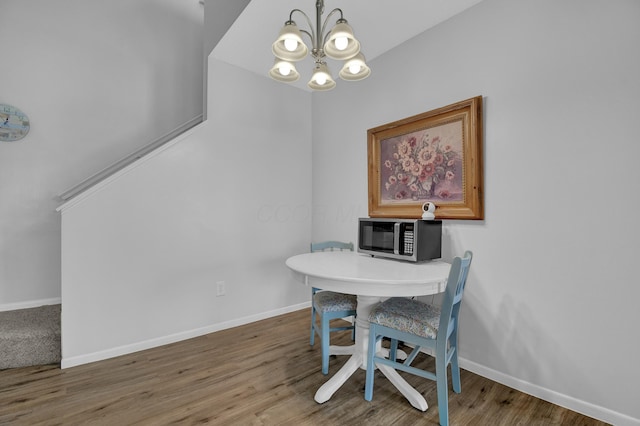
point(432, 157)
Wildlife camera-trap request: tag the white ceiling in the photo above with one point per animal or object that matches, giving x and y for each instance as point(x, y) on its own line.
point(247, 44)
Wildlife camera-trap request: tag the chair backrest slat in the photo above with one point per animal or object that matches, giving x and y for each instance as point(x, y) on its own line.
point(329, 246)
point(450, 308)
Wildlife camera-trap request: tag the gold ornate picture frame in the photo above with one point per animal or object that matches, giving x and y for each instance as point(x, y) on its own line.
point(432, 157)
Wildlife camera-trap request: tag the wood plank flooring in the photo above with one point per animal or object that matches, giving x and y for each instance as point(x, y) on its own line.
point(264, 373)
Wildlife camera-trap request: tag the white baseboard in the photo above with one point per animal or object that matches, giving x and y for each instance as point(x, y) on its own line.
point(583, 407)
point(29, 304)
point(68, 362)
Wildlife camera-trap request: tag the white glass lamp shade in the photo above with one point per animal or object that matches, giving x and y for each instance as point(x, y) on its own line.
point(321, 78)
point(355, 69)
point(289, 45)
point(341, 43)
point(284, 71)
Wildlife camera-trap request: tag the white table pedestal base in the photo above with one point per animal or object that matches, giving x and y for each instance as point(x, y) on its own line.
point(327, 390)
point(412, 395)
point(359, 359)
point(342, 350)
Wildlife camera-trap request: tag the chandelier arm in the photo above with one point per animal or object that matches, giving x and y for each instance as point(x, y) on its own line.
point(296, 10)
point(326, 20)
point(308, 33)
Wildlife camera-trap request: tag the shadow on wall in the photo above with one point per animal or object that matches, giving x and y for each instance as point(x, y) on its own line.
point(516, 348)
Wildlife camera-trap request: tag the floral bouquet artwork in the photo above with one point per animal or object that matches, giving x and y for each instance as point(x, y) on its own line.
point(431, 157)
point(425, 165)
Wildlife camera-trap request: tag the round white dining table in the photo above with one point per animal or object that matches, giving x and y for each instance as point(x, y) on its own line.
point(372, 279)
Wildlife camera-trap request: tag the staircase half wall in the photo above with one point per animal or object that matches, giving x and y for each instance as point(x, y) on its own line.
point(228, 201)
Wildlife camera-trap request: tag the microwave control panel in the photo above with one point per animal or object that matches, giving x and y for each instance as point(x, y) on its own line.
point(407, 231)
point(408, 242)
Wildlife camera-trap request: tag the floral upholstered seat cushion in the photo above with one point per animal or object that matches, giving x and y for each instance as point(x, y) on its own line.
point(407, 315)
point(329, 301)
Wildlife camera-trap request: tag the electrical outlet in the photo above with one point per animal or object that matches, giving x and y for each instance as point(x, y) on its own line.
point(221, 288)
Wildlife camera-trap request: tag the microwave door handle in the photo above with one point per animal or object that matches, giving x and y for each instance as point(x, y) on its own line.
point(396, 238)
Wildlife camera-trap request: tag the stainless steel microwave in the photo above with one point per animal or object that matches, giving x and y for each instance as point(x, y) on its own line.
point(414, 240)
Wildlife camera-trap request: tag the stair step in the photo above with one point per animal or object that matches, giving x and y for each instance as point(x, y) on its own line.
point(30, 337)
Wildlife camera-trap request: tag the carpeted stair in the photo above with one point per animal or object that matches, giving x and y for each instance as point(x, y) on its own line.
point(30, 337)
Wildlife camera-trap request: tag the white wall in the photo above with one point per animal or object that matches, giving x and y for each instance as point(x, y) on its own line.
point(228, 202)
point(551, 302)
point(216, 24)
point(98, 80)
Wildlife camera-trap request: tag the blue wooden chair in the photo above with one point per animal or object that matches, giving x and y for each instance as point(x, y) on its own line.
point(329, 305)
point(425, 326)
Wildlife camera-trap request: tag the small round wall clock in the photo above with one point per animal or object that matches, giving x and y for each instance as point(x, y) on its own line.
point(14, 124)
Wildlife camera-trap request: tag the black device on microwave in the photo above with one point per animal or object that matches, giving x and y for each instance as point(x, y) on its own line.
point(414, 240)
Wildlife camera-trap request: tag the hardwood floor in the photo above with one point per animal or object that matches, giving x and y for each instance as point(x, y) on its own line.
point(259, 374)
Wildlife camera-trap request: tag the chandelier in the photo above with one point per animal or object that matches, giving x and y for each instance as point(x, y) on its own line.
point(339, 43)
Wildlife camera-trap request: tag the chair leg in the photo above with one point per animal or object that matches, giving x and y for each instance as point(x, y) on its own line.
point(455, 367)
point(353, 330)
point(368, 386)
point(455, 372)
point(393, 349)
point(442, 389)
point(325, 344)
point(313, 325)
